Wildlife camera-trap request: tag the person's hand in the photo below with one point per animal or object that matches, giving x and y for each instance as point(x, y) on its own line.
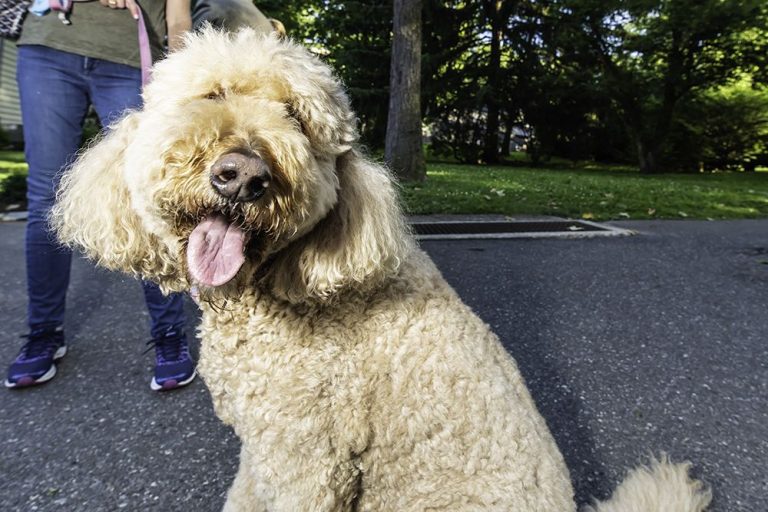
point(122, 4)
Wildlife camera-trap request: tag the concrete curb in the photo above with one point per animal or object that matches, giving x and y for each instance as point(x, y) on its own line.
point(606, 229)
point(14, 216)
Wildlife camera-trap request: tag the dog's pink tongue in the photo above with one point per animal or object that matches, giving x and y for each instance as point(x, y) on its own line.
point(215, 251)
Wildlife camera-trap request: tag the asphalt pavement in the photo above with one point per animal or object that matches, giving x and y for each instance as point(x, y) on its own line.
point(630, 345)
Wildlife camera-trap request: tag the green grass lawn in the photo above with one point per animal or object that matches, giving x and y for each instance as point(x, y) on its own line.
point(591, 191)
point(13, 172)
point(10, 160)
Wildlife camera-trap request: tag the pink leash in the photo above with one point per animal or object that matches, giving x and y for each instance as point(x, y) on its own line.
point(145, 55)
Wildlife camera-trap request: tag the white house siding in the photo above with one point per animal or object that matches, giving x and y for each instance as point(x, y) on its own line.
point(10, 112)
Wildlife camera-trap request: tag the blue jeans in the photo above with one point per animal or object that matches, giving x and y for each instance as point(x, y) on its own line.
point(56, 88)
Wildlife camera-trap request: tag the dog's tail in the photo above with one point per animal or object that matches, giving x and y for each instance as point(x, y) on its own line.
point(661, 486)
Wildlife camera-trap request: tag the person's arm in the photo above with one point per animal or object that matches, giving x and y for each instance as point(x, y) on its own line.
point(178, 18)
point(122, 4)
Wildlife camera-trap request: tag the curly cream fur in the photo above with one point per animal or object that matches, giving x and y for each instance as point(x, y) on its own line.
point(92, 212)
point(658, 487)
point(353, 374)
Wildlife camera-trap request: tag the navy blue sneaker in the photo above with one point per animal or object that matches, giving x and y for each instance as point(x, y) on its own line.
point(174, 366)
point(35, 363)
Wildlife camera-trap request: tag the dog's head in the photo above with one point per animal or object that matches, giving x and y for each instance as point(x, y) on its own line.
point(240, 167)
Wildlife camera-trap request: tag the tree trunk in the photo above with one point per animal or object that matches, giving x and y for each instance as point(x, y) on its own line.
point(649, 151)
point(491, 142)
point(648, 158)
point(635, 120)
point(506, 142)
point(403, 147)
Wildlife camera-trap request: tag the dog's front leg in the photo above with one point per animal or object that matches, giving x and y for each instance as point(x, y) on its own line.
point(252, 491)
point(245, 494)
point(294, 480)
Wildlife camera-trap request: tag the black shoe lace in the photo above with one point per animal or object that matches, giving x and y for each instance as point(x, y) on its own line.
point(167, 348)
point(40, 343)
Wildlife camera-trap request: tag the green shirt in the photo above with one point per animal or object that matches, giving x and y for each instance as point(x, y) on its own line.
point(99, 32)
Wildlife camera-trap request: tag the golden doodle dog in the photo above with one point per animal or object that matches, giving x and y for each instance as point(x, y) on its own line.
point(353, 374)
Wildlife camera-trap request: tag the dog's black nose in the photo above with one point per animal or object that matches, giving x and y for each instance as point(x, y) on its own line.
point(240, 177)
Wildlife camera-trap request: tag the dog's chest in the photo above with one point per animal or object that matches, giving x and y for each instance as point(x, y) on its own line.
point(270, 366)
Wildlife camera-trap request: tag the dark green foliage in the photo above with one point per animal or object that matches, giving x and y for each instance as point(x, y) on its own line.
point(5, 141)
point(457, 80)
point(652, 55)
point(721, 128)
point(91, 128)
point(355, 38)
point(609, 80)
point(13, 189)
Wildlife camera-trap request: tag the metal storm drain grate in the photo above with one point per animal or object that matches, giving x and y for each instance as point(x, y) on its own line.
point(454, 230)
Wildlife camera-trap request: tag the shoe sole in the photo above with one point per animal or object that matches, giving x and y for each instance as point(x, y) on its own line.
point(51, 373)
point(154, 386)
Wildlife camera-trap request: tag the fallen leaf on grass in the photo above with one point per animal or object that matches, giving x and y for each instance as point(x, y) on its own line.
point(587, 215)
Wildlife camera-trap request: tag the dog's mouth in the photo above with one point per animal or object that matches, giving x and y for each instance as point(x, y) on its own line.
point(215, 250)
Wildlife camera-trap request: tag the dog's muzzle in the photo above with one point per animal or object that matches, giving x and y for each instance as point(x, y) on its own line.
point(240, 177)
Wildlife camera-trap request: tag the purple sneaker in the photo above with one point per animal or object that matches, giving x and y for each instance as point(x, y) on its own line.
point(35, 363)
point(174, 366)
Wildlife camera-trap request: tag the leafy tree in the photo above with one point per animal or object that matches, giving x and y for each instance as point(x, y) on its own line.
point(298, 16)
point(353, 36)
point(654, 53)
point(723, 127)
point(497, 14)
point(462, 88)
point(604, 79)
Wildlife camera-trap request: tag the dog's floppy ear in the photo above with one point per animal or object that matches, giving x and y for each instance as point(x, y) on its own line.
point(93, 212)
point(278, 27)
point(317, 100)
point(361, 241)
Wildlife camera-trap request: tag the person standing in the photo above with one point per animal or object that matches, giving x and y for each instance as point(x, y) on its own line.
point(89, 56)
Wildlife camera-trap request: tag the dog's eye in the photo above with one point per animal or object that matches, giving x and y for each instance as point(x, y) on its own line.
point(294, 114)
point(216, 95)
point(291, 111)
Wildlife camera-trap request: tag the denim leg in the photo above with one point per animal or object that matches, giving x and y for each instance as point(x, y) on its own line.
point(115, 88)
point(166, 312)
point(54, 101)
